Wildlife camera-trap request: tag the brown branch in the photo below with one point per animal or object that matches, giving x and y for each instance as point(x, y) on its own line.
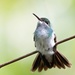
point(17, 59)
point(64, 40)
point(34, 52)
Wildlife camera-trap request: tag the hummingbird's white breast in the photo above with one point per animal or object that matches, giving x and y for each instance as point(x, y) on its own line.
point(45, 45)
point(42, 34)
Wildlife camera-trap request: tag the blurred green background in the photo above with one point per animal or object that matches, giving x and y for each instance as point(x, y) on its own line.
point(17, 25)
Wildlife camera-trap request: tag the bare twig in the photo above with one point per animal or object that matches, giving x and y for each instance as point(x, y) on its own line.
point(17, 59)
point(64, 40)
point(34, 52)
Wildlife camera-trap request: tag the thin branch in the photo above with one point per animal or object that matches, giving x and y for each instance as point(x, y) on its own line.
point(34, 52)
point(64, 40)
point(17, 59)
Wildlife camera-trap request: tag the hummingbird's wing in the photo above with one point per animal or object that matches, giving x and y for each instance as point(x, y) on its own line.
point(55, 40)
point(34, 39)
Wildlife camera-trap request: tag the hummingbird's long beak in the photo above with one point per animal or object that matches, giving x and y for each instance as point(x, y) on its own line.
point(37, 17)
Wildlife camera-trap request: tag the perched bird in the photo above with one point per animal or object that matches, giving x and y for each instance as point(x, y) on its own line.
point(45, 40)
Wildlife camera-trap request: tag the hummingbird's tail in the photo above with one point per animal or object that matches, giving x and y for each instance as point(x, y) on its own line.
point(58, 60)
point(61, 61)
point(41, 63)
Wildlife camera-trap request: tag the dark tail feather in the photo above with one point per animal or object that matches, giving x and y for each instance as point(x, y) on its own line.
point(41, 66)
point(46, 63)
point(45, 67)
point(36, 63)
point(61, 61)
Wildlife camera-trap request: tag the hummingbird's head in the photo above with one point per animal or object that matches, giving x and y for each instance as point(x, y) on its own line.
point(43, 20)
point(46, 21)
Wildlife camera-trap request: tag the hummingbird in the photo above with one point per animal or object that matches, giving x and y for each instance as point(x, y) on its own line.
point(45, 40)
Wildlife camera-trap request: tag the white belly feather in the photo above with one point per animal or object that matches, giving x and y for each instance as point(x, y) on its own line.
point(44, 44)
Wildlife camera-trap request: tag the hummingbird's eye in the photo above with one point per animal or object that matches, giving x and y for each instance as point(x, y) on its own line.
point(46, 22)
